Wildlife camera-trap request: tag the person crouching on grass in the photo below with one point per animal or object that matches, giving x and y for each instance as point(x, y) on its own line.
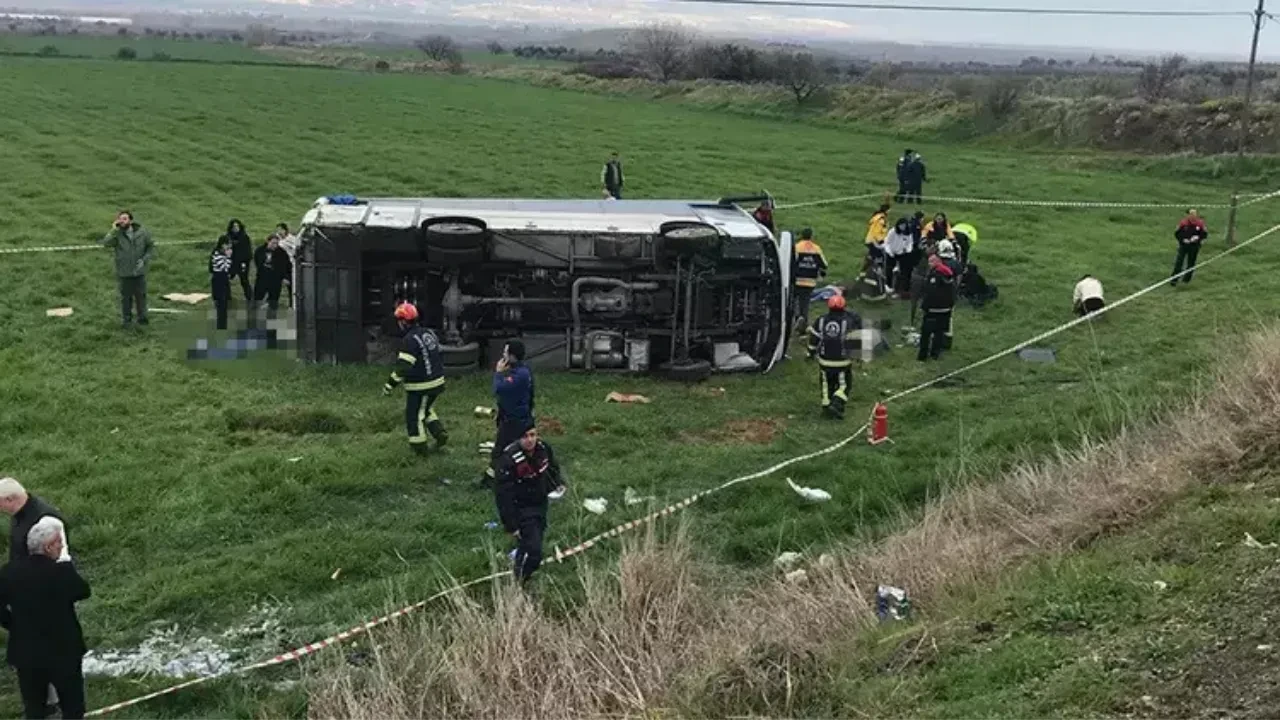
point(527, 475)
point(46, 645)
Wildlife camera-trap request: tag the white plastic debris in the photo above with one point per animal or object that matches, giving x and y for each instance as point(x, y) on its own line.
point(1265, 648)
point(797, 576)
point(631, 497)
point(826, 561)
point(786, 560)
point(59, 312)
point(811, 494)
point(892, 603)
point(295, 459)
point(556, 494)
point(596, 506)
point(188, 298)
point(1161, 585)
point(1251, 542)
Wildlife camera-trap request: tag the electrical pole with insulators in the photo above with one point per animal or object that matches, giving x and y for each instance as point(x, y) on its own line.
point(1242, 142)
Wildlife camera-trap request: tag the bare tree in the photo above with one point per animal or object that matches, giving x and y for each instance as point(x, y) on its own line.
point(800, 73)
point(1156, 81)
point(661, 48)
point(440, 48)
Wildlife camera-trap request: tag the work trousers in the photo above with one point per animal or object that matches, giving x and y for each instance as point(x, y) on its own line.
point(221, 286)
point(911, 193)
point(905, 271)
point(836, 382)
point(242, 271)
point(615, 192)
point(933, 334)
point(893, 267)
point(532, 526)
point(33, 684)
point(1187, 253)
point(133, 293)
point(800, 302)
point(420, 419)
point(268, 288)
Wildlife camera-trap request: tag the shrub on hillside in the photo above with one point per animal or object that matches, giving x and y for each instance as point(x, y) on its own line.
point(1000, 102)
point(160, 56)
point(608, 69)
point(126, 53)
point(382, 66)
point(49, 51)
point(440, 48)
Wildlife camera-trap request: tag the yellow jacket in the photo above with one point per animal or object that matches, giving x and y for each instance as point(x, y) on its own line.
point(877, 229)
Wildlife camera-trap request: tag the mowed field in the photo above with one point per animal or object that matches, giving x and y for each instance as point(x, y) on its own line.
point(182, 513)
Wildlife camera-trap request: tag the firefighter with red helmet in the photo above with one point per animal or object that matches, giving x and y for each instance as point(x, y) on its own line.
point(420, 368)
point(829, 341)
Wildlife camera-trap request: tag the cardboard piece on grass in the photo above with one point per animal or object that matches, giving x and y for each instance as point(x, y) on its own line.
point(595, 506)
point(188, 298)
point(1039, 355)
point(624, 398)
point(59, 312)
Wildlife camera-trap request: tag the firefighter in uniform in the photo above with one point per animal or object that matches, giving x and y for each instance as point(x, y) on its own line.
point(809, 267)
point(829, 340)
point(420, 368)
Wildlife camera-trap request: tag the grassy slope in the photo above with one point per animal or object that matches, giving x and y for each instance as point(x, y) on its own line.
point(178, 517)
point(107, 46)
point(1093, 634)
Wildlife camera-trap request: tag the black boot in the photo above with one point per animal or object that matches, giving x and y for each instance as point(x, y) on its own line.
point(436, 428)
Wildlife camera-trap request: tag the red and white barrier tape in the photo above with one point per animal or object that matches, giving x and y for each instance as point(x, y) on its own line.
point(64, 248)
point(561, 556)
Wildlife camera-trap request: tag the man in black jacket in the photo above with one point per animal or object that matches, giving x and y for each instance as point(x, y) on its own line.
point(612, 177)
point(273, 267)
point(46, 645)
point(25, 511)
point(527, 474)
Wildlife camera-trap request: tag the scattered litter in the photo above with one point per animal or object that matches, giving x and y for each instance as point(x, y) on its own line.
point(491, 525)
point(797, 576)
point(1250, 486)
point(811, 494)
point(115, 430)
point(826, 561)
point(59, 312)
point(168, 653)
point(631, 497)
point(1252, 542)
point(1039, 355)
point(295, 459)
point(446, 481)
point(335, 574)
point(621, 398)
point(284, 685)
point(483, 412)
point(188, 298)
point(556, 494)
point(1264, 648)
point(786, 560)
point(595, 505)
point(1161, 585)
point(911, 338)
point(892, 603)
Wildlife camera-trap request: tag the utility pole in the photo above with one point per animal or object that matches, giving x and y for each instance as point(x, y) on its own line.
point(1245, 113)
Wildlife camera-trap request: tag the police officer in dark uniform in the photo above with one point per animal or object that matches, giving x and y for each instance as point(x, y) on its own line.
point(513, 389)
point(829, 338)
point(420, 368)
point(527, 474)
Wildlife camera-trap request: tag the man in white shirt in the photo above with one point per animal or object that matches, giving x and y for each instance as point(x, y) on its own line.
point(1087, 298)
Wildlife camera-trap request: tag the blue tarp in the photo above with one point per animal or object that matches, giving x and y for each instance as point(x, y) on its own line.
point(343, 200)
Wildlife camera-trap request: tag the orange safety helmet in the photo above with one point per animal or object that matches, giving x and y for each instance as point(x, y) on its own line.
point(406, 312)
point(835, 302)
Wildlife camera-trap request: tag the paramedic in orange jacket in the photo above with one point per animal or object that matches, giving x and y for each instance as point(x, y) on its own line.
point(808, 266)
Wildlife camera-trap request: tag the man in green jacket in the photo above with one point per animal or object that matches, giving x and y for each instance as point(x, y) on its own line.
point(134, 252)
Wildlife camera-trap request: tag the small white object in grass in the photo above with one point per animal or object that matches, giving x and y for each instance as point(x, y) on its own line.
point(1251, 542)
point(1264, 648)
point(295, 459)
point(115, 430)
point(335, 574)
point(797, 576)
point(59, 312)
point(1161, 585)
point(826, 561)
point(631, 497)
point(556, 494)
point(810, 494)
point(595, 505)
point(786, 560)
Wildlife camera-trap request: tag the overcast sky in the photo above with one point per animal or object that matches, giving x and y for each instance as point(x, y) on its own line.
point(1228, 35)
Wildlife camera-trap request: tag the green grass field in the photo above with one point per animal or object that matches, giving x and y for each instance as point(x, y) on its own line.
point(107, 46)
point(181, 515)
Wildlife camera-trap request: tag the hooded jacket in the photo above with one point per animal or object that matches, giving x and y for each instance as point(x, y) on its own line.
point(877, 228)
point(241, 244)
point(900, 240)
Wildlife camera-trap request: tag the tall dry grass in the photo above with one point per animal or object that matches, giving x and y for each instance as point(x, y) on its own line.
point(659, 634)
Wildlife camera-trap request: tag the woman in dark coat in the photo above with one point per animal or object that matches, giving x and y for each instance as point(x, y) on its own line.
point(241, 255)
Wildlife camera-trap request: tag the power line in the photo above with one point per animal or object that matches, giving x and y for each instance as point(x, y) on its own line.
point(832, 4)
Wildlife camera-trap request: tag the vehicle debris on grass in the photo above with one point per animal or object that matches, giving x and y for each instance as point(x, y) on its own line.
point(618, 397)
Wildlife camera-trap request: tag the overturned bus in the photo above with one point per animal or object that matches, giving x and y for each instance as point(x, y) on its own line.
point(680, 288)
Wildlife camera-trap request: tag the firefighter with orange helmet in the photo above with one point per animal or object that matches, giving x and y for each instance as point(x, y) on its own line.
point(829, 341)
point(420, 368)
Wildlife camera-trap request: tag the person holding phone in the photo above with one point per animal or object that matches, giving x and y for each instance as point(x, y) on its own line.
point(134, 251)
point(513, 389)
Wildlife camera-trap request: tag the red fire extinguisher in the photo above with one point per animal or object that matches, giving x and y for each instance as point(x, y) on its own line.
point(878, 432)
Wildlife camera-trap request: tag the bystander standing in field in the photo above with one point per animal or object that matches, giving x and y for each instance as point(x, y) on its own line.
point(904, 165)
point(38, 593)
point(1191, 233)
point(289, 243)
point(273, 266)
point(916, 177)
point(612, 177)
point(527, 474)
point(220, 279)
point(241, 255)
point(134, 251)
